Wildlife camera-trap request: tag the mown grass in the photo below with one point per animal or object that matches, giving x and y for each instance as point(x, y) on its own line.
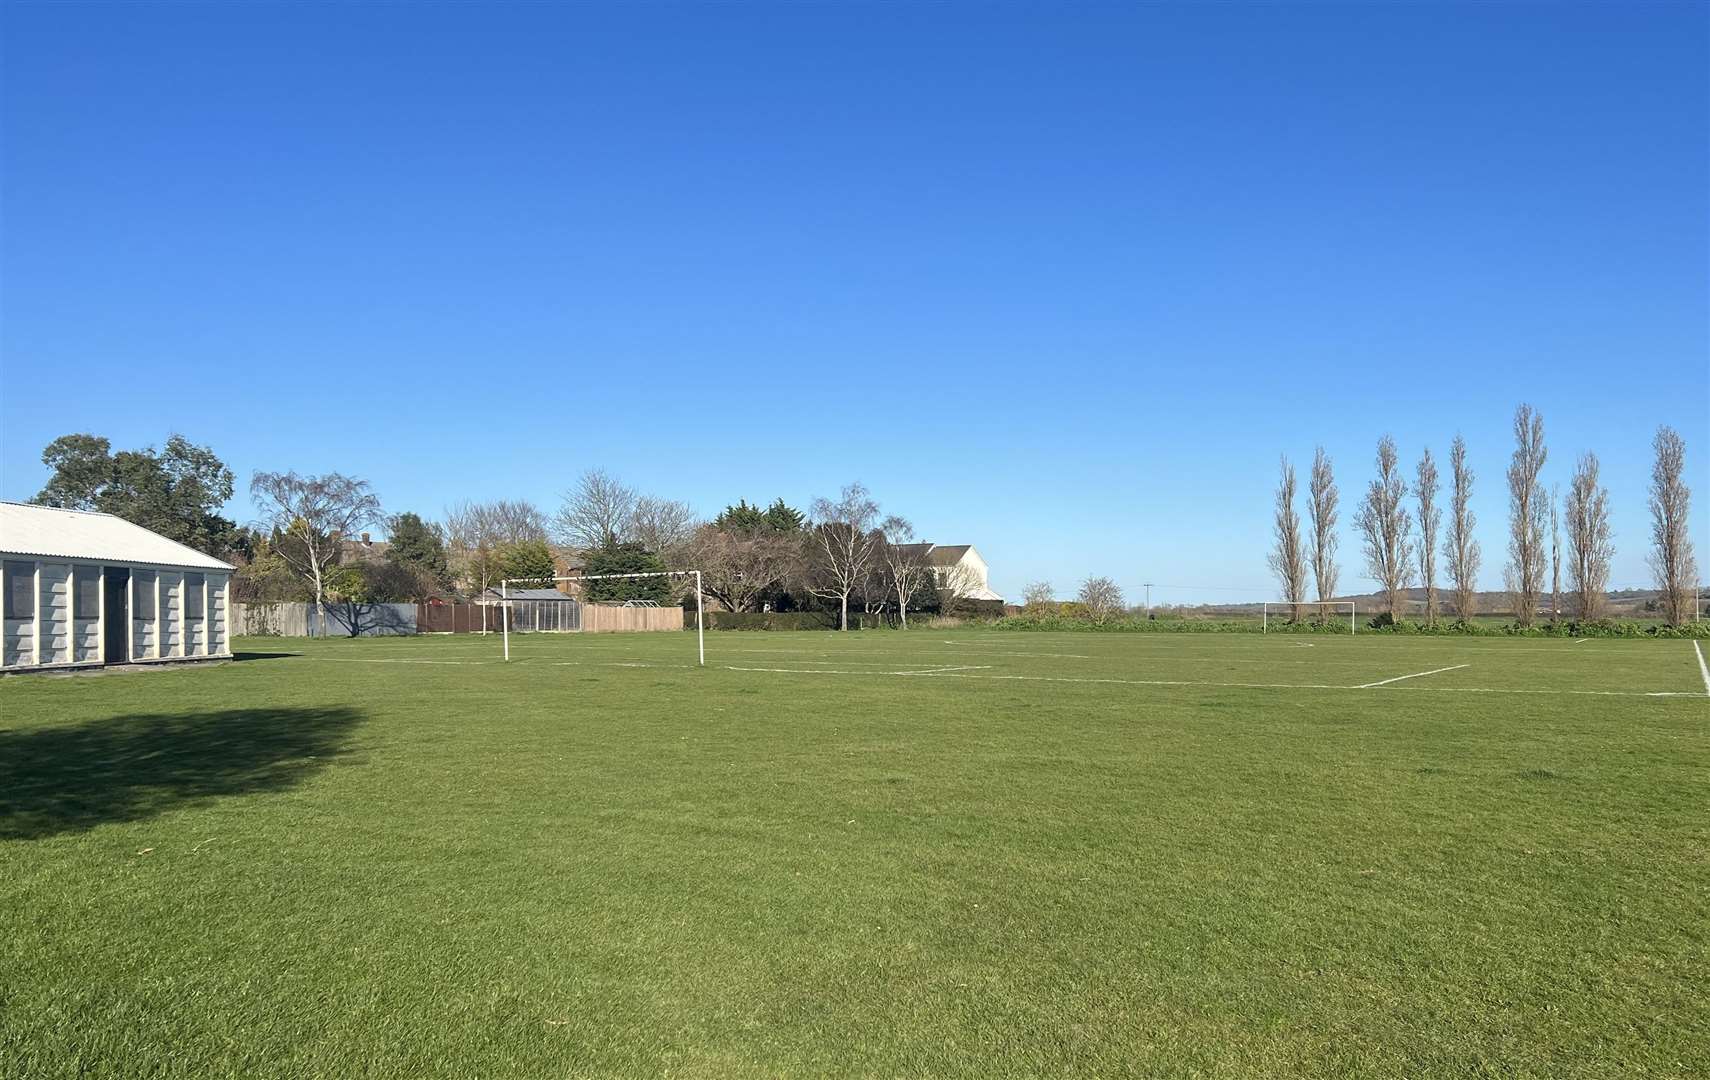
point(1057, 855)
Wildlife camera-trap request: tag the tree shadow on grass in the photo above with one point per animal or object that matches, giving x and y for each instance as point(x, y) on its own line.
point(127, 768)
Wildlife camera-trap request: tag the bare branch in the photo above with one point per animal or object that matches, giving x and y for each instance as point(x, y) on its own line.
point(1425, 489)
point(1385, 527)
point(1590, 547)
point(1102, 598)
point(841, 546)
point(1288, 557)
point(1528, 513)
point(597, 513)
point(1460, 546)
point(309, 517)
point(1323, 499)
point(1670, 504)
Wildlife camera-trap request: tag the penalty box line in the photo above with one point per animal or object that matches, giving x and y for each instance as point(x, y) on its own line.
point(1415, 675)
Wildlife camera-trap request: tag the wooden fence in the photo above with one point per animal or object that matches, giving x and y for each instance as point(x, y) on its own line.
point(596, 618)
point(616, 619)
point(329, 620)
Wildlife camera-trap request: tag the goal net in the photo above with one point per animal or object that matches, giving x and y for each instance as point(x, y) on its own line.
point(1319, 611)
point(568, 604)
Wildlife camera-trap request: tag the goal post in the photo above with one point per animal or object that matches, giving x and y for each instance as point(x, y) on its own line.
point(700, 618)
point(1308, 607)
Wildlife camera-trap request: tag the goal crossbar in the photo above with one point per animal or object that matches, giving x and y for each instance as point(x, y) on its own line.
point(1284, 607)
point(700, 621)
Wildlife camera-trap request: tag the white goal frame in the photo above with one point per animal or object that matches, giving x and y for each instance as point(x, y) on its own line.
point(700, 621)
point(1284, 606)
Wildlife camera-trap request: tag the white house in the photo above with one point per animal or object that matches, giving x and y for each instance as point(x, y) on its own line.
point(82, 589)
point(960, 568)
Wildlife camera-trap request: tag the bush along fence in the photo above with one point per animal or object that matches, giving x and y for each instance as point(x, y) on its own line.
point(1381, 624)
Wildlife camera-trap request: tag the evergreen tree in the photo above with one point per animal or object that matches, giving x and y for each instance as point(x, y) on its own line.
point(177, 492)
point(530, 560)
point(627, 559)
point(419, 546)
point(741, 518)
point(783, 518)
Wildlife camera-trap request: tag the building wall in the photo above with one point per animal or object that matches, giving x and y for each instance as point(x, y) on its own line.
point(53, 611)
point(219, 615)
point(85, 622)
point(144, 603)
point(977, 566)
point(18, 646)
point(55, 634)
point(171, 614)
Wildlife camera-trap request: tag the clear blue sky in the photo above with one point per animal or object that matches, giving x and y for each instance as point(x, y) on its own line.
point(1058, 280)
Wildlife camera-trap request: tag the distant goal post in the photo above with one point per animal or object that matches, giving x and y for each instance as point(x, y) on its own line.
point(1308, 609)
point(552, 582)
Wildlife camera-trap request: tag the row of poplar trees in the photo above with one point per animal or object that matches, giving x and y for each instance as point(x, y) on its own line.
point(1399, 526)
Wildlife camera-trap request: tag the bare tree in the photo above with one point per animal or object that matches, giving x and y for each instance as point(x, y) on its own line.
point(1460, 547)
point(906, 568)
point(1037, 595)
point(1528, 513)
point(480, 534)
point(1589, 540)
point(1425, 488)
point(1385, 526)
point(1670, 504)
point(954, 583)
point(739, 569)
point(599, 512)
point(664, 527)
point(1555, 557)
point(310, 516)
point(1102, 598)
point(841, 546)
point(1323, 499)
point(1288, 557)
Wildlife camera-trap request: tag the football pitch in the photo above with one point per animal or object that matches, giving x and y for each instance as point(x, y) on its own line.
point(932, 853)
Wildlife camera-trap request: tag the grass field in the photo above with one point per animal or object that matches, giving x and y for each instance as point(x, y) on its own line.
point(949, 853)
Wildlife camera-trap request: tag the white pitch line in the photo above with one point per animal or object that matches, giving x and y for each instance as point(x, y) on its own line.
point(1415, 675)
point(941, 670)
point(1238, 685)
point(395, 660)
point(1703, 668)
point(990, 644)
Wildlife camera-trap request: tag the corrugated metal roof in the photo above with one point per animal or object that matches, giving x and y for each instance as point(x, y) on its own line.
point(528, 594)
point(47, 532)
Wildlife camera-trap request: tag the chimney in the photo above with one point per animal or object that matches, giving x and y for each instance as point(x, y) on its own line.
point(366, 542)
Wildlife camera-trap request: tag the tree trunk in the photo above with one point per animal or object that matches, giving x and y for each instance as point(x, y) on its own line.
point(843, 612)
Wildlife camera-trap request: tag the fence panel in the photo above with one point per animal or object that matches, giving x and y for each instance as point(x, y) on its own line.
point(616, 619)
point(332, 620)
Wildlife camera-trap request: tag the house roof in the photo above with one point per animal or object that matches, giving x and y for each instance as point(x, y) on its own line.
point(51, 533)
point(915, 550)
point(527, 594)
point(358, 550)
point(948, 554)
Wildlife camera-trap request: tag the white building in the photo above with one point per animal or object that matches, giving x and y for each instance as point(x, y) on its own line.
point(82, 589)
point(959, 568)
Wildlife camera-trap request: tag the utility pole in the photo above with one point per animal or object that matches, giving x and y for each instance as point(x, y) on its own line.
point(1148, 599)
